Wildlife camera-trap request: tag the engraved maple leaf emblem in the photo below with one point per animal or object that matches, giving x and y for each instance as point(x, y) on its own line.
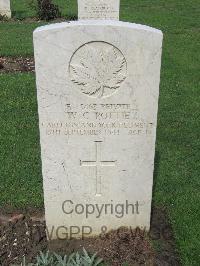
point(98, 69)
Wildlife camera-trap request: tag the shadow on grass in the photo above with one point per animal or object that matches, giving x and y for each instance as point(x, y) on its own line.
point(156, 169)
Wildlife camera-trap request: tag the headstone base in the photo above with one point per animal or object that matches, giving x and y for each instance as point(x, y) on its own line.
point(6, 13)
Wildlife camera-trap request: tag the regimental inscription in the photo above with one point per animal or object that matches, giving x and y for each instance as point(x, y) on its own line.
point(100, 120)
point(98, 9)
point(98, 69)
point(98, 163)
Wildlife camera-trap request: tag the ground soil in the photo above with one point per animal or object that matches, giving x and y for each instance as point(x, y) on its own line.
point(16, 64)
point(36, 19)
point(25, 235)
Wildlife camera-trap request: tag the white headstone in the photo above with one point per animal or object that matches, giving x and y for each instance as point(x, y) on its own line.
point(5, 8)
point(98, 9)
point(98, 88)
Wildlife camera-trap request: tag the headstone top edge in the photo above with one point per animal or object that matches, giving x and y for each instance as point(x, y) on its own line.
point(97, 23)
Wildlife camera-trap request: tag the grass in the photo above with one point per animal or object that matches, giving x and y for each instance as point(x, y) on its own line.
point(178, 143)
point(18, 35)
point(20, 169)
point(177, 152)
point(17, 38)
point(24, 9)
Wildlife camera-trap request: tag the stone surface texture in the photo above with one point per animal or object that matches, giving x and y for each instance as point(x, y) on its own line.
point(98, 9)
point(97, 89)
point(5, 8)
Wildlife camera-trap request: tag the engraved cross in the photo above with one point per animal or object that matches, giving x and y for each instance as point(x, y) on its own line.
point(98, 163)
